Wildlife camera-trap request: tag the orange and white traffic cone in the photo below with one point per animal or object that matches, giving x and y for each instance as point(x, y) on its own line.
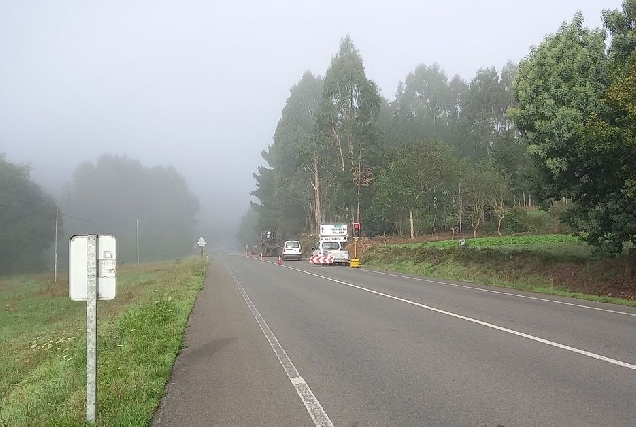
point(280, 260)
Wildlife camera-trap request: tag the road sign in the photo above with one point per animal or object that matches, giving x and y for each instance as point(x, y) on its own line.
point(92, 276)
point(201, 242)
point(106, 267)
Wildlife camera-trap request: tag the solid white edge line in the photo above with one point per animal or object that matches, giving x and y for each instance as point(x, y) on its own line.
point(313, 406)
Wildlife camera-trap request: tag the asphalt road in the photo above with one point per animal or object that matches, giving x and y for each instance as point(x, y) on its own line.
point(297, 345)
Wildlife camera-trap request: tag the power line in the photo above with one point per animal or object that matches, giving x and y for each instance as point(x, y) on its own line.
point(83, 219)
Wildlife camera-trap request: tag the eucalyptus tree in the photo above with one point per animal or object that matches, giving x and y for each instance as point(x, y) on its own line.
point(346, 123)
point(457, 133)
point(27, 218)
point(269, 211)
point(422, 102)
point(428, 105)
point(508, 152)
point(488, 98)
point(290, 188)
point(297, 155)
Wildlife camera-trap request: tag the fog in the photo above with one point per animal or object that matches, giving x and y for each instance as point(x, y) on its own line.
point(200, 85)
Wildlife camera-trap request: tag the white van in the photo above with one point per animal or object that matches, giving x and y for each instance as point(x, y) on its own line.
point(292, 250)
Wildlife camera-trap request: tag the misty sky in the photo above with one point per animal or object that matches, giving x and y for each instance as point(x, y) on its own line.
point(200, 85)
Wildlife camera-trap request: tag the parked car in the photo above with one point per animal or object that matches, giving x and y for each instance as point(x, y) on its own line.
point(292, 250)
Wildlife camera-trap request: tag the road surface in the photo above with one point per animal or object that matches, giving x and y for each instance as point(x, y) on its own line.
point(298, 344)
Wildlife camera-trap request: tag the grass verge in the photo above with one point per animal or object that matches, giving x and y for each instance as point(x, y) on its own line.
point(140, 332)
point(558, 269)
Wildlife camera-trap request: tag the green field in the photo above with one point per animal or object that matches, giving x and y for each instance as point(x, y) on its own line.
point(552, 264)
point(43, 358)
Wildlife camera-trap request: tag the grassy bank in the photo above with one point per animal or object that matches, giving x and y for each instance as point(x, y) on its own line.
point(43, 358)
point(558, 265)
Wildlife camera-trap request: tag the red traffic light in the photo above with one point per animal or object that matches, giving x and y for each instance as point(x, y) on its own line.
point(356, 226)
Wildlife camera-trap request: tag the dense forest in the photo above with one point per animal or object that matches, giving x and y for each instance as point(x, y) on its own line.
point(450, 155)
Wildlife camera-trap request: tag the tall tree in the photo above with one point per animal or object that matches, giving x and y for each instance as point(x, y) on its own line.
point(606, 153)
point(489, 97)
point(297, 155)
point(577, 110)
point(622, 28)
point(420, 178)
point(559, 85)
point(348, 113)
point(27, 216)
point(268, 209)
point(428, 106)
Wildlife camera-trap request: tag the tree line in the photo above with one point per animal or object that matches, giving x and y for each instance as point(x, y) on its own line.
point(446, 154)
point(150, 211)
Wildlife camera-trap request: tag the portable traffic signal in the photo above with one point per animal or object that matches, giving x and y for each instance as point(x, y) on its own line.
point(356, 229)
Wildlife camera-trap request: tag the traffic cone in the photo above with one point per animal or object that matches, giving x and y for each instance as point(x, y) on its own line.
point(280, 260)
point(261, 256)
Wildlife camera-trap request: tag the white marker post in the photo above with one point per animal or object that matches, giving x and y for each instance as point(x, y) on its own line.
point(92, 266)
point(91, 329)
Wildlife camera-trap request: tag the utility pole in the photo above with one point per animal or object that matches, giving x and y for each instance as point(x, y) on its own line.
point(57, 209)
point(137, 240)
point(460, 206)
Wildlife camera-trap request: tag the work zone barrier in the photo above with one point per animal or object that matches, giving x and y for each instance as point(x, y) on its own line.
point(321, 260)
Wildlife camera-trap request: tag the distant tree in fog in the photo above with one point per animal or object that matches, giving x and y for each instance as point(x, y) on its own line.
point(27, 220)
point(111, 194)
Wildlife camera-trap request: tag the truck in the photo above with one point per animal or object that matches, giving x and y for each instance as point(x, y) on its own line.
point(270, 246)
point(330, 247)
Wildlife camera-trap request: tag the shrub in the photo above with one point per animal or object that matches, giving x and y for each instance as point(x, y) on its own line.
point(515, 220)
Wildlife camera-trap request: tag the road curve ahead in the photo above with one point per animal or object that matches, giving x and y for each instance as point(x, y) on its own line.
point(297, 344)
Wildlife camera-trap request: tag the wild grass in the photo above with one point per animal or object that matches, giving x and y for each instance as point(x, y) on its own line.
point(43, 358)
point(552, 264)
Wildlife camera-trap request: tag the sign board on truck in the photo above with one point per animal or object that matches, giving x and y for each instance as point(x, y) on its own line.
point(337, 230)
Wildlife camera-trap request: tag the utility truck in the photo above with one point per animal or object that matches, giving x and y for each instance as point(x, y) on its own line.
point(330, 247)
point(270, 246)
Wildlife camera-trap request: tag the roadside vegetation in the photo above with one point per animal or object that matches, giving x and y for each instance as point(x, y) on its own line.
point(543, 146)
point(43, 362)
point(550, 264)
